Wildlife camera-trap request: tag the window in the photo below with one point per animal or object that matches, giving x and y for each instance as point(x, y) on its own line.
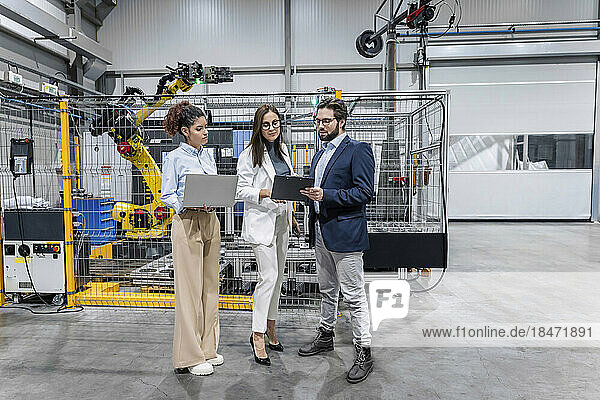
point(505, 152)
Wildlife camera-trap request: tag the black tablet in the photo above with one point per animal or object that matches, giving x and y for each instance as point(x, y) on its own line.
point(288, 187)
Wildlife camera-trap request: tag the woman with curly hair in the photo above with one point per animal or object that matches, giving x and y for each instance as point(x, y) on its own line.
point(196, 239)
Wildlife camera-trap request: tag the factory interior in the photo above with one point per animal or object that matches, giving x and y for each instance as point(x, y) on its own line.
point(479, 126)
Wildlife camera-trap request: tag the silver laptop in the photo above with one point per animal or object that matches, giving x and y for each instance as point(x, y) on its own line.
point(212, 190)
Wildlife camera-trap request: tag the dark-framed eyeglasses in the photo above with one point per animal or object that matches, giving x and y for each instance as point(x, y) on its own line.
point(275, 124)
point(324, 121)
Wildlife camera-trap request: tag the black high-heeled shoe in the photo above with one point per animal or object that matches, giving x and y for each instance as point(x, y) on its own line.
point(261, 361)
point(276, 347)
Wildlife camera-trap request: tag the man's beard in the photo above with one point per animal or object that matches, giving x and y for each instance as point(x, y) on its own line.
point(332, 135)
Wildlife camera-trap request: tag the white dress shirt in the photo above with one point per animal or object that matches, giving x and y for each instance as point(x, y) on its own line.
point(329, 149)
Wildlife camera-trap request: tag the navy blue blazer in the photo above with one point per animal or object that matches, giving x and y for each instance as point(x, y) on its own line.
point(347, 188)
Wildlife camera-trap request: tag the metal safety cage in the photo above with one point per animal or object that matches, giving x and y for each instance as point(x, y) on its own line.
point(121, 230)
point(122, 146)
point(38, 241)
point(407, 218)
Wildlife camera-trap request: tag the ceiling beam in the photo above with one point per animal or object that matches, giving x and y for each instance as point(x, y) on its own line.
point(51, 28)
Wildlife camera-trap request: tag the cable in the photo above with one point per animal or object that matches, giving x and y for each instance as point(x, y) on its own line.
point(460, 11)
point(37, 106)
point(445, 3)
point(430, 287)
point(19, 218)
point(450, 20)
point(37, 65)
point(64, 310)
point(60, 310)
point(441, 34)
point(81, 237)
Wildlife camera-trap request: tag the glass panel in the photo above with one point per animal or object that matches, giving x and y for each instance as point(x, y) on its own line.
point(505, 152)
point(480, 153)
point(558, 151)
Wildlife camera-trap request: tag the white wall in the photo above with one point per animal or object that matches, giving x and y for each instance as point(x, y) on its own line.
point(146, 34)
point(552, 194)
point(245, 33)
point(241, 84)
point(324, 32)
point(347, 81)
point(493, 99)
point(487, 104)
point(533, 98)
point(494, 11)
point(154, 33)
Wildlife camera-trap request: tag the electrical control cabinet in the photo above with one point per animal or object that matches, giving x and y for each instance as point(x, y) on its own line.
point(33, 251)
point(45, 261)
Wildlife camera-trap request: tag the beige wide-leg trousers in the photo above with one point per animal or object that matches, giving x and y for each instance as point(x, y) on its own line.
point(196, 242)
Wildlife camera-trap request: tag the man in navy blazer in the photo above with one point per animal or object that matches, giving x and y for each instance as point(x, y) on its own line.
point(344, 172)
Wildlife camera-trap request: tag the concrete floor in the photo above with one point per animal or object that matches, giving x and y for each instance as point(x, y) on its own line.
point(500, 274)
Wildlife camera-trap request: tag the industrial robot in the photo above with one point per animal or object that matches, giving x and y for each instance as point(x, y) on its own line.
point(124, 126)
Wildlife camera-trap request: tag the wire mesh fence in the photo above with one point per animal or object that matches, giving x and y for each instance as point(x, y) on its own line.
point(33, 245)
point(122, 230)
point(40, 124)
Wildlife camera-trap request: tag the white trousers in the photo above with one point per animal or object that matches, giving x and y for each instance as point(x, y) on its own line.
point(271, 262)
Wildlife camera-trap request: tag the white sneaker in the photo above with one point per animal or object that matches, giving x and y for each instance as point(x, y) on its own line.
point(218, 360)
point(205, 368)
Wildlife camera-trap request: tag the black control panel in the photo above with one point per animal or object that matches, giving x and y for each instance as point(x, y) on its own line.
point(48, 248)
point(34, 225)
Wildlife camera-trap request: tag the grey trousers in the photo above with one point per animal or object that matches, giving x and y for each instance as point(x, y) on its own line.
point(342, 271)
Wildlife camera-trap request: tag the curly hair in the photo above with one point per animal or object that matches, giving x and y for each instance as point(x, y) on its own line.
point(180, 115)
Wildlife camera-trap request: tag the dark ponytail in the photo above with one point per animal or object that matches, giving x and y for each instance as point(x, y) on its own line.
point(180, 115)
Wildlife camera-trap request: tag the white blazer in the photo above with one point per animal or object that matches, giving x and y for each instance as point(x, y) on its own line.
point(258, 226)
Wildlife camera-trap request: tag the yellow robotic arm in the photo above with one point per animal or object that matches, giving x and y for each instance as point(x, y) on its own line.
point(152, 219)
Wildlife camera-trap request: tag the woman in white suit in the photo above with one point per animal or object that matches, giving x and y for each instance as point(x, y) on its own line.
point(266, 222)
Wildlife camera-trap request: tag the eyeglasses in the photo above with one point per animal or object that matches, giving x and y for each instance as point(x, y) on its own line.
point(325, 121)
point(275, 124)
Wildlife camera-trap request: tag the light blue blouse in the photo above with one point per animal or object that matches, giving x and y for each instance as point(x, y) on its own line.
point(184, 160)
